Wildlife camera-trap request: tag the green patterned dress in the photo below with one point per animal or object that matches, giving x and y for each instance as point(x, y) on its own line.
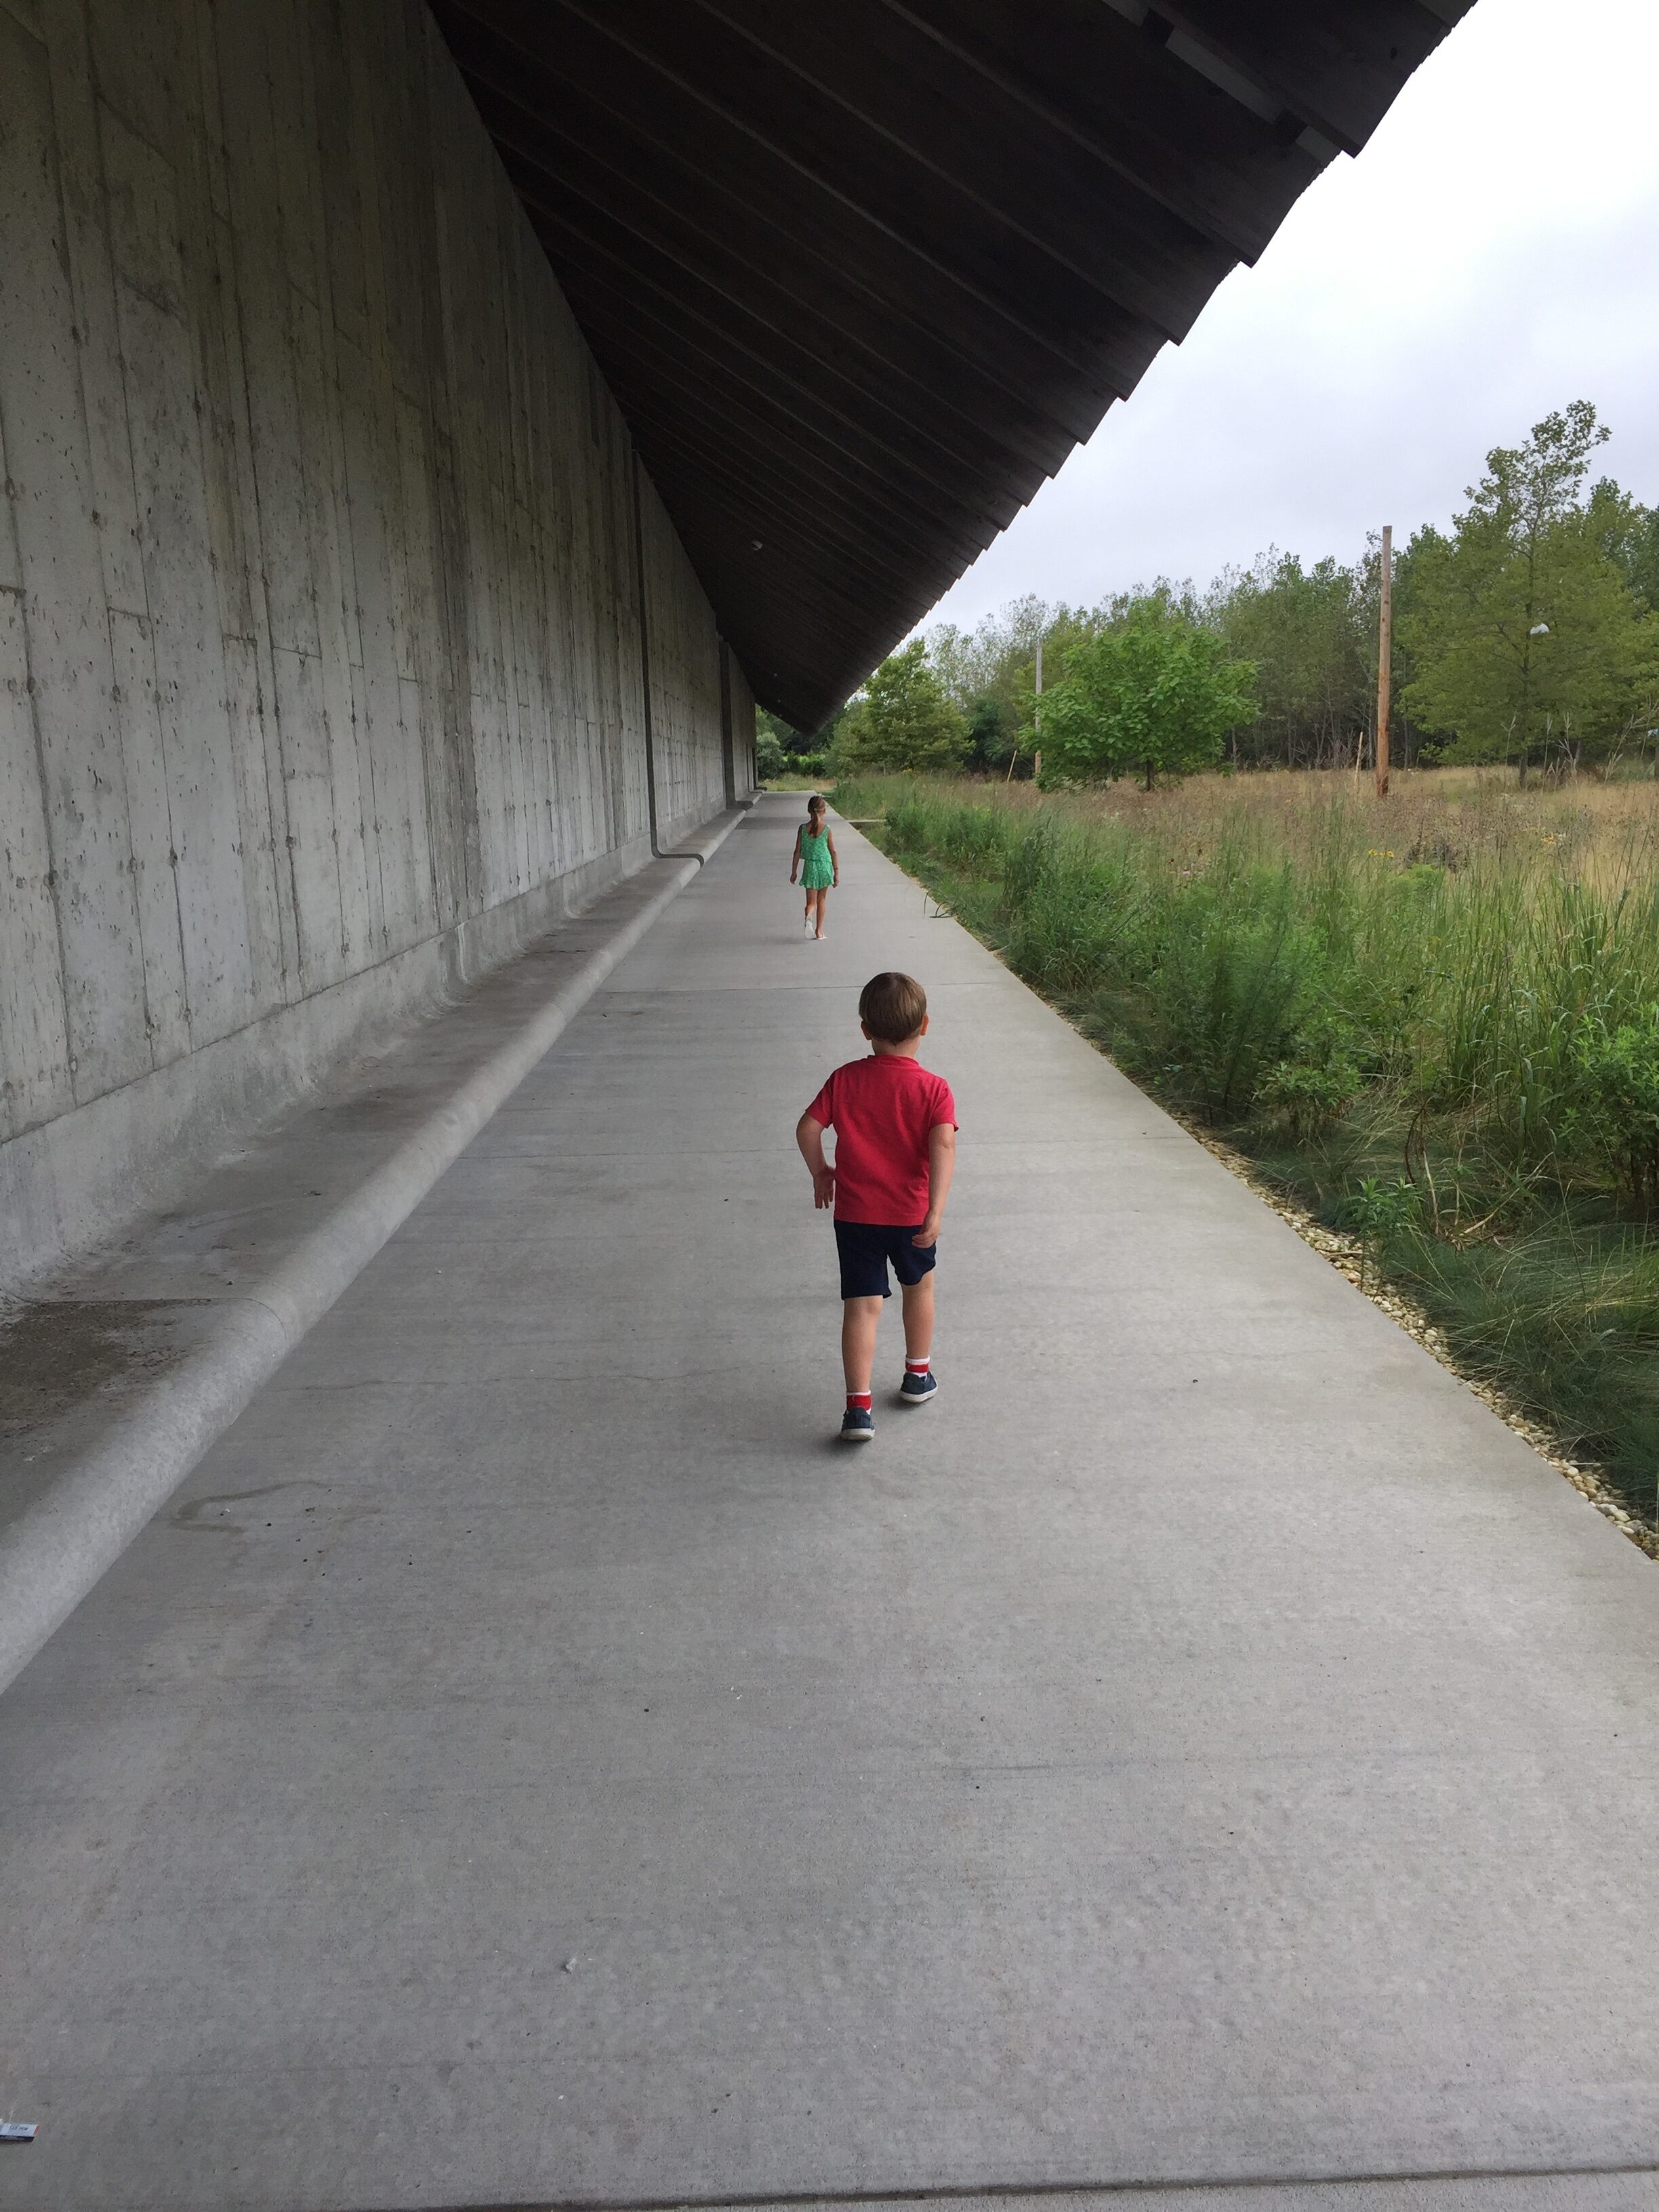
point(818, 869)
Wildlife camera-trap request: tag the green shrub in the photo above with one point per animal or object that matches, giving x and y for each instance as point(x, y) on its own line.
point(907, 824)
point(1234, 986)
point(974, 838)
point(1032, 854)
point(1376, 1209)
point(1379, 1212)
point(1076, 912)
point(1061, 942)
point(1616, 1108)
point(1307, 1097)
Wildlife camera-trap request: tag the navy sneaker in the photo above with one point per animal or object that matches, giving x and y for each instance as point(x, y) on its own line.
point(857, 1426)
point(917, 1389)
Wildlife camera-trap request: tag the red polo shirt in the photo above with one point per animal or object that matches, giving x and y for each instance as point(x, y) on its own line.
point(881, 1109)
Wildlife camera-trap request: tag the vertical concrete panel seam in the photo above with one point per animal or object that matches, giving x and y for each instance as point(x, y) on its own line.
point(123, 356)
point(260, 591)
point(91, 882)
point(208, 293)
point(61, 973)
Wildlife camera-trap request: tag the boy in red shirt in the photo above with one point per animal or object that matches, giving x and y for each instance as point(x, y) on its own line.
point(895, 1148)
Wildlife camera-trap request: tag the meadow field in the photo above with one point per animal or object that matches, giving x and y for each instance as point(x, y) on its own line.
point(1430, 1021)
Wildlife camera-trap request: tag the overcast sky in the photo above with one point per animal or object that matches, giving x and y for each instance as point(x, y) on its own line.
point(1493, 254)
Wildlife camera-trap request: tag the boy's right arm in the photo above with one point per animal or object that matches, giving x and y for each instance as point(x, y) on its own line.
point(809, 1135)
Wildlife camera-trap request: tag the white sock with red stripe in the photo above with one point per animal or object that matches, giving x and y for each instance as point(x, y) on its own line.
point(917, 1366)
point(859, 1400)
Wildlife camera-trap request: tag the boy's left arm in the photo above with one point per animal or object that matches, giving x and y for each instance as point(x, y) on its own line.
point(809, 1135)
point(941, 1166)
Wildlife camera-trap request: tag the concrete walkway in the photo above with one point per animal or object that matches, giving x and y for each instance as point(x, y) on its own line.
point(529, 1762)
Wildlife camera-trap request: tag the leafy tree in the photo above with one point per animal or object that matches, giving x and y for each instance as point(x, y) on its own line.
point(798, 747)
point(1311, 635)
point(993, 732)
point(1524, 630)
point(1153, 693)
point(775, 741)
point(989, 673)
point(780, 749)
point(902, 720)
point(1587, 569)
point(1629, 534)
point(986, 662)
point(769, 753)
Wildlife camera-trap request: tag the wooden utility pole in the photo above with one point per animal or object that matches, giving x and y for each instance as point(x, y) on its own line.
point(1036, 716)
point(1384, 660)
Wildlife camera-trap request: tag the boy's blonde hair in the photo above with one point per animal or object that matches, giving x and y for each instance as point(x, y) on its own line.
point(892, 1007)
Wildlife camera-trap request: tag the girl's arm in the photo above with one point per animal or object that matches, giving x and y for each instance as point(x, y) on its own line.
point(794, 858)
point(835, 858)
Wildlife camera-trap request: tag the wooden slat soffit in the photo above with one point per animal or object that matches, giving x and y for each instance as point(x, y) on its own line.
point(861, 273)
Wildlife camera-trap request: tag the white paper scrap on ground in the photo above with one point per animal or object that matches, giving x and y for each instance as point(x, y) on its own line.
point(17, 2130)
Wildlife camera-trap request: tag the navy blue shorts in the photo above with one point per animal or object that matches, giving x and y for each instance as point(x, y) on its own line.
point(865, 1247)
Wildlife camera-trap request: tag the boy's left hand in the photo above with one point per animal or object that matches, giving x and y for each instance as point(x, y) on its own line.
point(824, 1188)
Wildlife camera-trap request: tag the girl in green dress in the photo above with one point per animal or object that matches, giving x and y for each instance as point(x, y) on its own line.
point(816, 863)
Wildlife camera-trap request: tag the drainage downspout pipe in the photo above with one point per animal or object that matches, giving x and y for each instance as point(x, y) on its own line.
point(657, 850)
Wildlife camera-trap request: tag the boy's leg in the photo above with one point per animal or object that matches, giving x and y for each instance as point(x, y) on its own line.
point(918, 1319)
point(858, 1317)
point(919, 1387)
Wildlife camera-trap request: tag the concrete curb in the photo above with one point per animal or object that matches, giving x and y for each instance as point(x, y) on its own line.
point(51, 1555)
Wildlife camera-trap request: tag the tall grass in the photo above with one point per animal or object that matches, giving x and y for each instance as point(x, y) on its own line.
point(1437, 1020)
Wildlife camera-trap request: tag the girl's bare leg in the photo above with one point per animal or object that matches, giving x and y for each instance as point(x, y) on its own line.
point(821, 897)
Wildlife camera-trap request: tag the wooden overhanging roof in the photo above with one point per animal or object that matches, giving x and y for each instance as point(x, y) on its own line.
point(862, 272)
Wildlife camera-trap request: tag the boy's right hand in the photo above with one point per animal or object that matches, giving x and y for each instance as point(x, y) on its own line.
point(824, 1188)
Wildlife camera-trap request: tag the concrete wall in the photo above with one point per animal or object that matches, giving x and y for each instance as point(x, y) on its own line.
point(321, 682)
point(743, 778)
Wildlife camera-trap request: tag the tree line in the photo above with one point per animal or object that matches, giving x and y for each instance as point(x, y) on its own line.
point(1526, 634)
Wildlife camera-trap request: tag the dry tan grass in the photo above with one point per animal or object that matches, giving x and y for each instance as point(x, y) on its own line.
point(1606, 834)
